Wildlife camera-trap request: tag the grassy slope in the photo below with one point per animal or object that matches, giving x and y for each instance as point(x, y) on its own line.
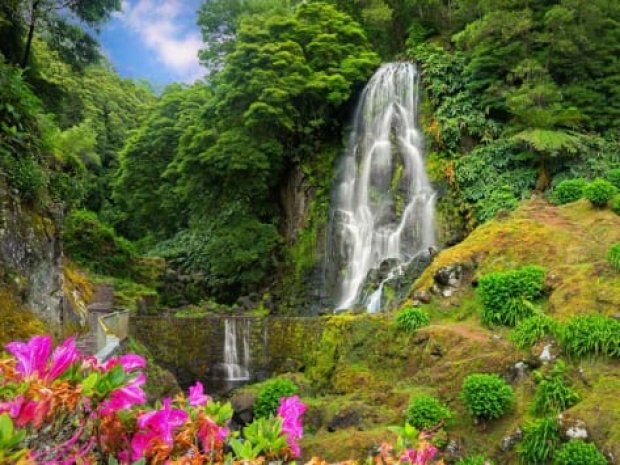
point(365, 364)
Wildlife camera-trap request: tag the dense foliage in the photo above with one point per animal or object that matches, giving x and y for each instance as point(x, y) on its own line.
point(486, 396)
point(568, 191)
point(591, 335)
point(269, 396)
point(540, 439)
point(532, 330)
point(96, 245)
point(552, 394)
point(411, 319)
point(599, 192)
point(425, 412)
point(507, 297)
point(577, 452)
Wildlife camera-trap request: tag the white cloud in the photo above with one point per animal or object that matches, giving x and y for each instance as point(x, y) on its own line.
point(163, 28)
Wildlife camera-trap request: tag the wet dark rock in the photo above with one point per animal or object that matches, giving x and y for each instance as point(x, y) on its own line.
point(346, 418)
point(449, 276)
point(243, 406)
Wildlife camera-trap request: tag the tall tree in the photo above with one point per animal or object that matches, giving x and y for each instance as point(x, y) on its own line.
point(34, 14)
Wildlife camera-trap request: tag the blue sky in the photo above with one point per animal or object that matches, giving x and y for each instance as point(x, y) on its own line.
point(156, 40)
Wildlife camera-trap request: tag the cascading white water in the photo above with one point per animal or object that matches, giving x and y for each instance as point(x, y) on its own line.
point(236, 369)
point(384, 204)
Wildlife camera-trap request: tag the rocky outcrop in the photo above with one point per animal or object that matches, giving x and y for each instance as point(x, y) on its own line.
point(31, 257)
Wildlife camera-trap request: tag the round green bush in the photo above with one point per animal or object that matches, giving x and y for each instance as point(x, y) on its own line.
point(411, 319)
point(486, 396)
point(577, 452)
point(613, 255)
point(615, 204)
point(591, 335)
point(425, 412)
point(540, 440)
point(532, 330)
point(599, 192)
point(613, 176)
point(268, 398)
point(474, 460)
point(568, 191)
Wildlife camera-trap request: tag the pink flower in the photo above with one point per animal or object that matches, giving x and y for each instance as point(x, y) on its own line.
point(127, 396)
point(210, 434)
point(420, 457)
point(12, 407)
point(32, 355)
point(291, 410)
point(140, 444)
point(197, 398)
point(131, 362)
point(159, 425)
point(63, 357)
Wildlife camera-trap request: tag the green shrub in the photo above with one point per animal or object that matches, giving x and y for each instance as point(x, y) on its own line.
point(28, 177)
point(474, 460)
point(599, 192)
point(613, 255)
point(552, 394)
point(507, 296)
point(577, 452)
point(531, 330)
point(568, 191)
point(499, 200)
point(425, 411)
point(615, 204)
point(411, 319)
point(613, 176)
point(96, 246)
point(594, 334)
point(486, 396)
point(268, 398)
point(540, 439)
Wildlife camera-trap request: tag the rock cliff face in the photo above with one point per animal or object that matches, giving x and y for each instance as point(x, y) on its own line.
point(31, 257)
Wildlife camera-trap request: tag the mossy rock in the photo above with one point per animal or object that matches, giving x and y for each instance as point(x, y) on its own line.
point(17, 322)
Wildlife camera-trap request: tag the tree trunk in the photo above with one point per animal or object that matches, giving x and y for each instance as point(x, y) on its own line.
point(33, 21)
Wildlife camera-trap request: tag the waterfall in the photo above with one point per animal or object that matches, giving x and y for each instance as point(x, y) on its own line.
point(383, 210)
point(236, 368)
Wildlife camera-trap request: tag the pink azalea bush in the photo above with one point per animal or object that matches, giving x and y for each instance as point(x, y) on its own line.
point(68, 409)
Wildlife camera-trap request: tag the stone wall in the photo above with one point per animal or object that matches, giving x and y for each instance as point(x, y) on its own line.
point(192, 348)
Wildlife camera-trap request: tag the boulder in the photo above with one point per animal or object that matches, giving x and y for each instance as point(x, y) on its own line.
point(572, 428)
point(243, 406)
point(349, 417)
